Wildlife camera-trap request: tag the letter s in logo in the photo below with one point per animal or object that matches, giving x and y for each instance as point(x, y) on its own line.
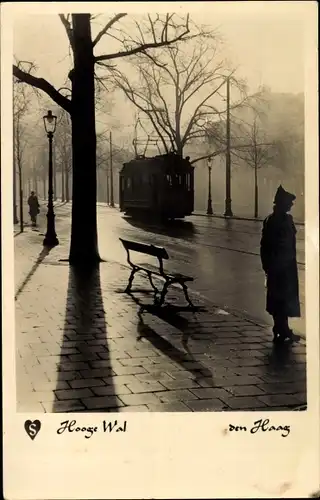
point(32, 428)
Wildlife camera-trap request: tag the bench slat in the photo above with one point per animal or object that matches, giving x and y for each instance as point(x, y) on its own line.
point(155, 270)
point(146, 249)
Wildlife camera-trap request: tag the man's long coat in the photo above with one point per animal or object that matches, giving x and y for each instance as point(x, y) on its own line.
point(278, 257)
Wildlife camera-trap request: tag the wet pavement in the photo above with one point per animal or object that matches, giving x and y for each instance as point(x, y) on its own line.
point(90, 350)
point(222, 255)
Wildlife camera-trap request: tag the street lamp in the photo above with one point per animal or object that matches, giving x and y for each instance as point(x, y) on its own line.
point(209, 209)
point(228, 209)
point(50, 239)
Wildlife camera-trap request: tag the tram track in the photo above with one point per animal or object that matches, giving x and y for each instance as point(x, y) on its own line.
point(256, 233)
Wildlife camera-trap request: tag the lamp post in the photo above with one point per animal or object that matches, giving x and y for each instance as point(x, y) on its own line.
point(209, 208)
point(50, 239)
point(228, 209)
point(111, 174)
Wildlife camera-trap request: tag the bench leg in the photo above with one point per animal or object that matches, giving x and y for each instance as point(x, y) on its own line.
point(152, 284)
point(185, 290)
point(164, 293)
point(131, 277)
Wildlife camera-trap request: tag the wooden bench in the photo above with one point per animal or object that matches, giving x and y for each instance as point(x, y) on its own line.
point(169, 278)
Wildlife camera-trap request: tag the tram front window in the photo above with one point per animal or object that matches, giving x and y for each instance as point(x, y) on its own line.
point(178, 181)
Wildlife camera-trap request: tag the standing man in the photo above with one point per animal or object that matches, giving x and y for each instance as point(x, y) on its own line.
point(34, 208)
point(278, 257)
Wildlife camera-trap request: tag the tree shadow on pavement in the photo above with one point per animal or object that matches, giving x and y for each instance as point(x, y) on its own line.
point(85, 367)
point(42, 255)
point(174, 228)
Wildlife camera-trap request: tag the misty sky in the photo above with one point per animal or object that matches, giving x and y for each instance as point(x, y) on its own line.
point(264, 41)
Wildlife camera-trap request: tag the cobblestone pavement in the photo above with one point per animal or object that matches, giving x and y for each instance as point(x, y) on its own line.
point(81, 345)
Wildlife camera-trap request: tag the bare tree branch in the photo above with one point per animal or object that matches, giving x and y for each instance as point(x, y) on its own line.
point(210, 155)
point(66, 23)
point(112, 21)
point(143, 47)
point(44, 85)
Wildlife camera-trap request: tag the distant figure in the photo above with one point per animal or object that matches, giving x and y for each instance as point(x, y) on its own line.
point(34, 208)
point(278, 257)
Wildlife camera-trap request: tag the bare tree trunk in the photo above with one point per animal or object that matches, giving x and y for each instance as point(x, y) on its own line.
point(21, 199)
point(34, 177)
point(111, 173)
point(256, 210)
point(107, 186)
point(84, 239)
point(62, 183)
point(67, 182)
point(15, 216)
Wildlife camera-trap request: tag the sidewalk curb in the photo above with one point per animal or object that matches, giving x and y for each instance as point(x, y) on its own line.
point(235, 217)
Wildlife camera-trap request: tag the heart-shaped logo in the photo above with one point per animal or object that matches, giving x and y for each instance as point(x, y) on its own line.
point(32, 428)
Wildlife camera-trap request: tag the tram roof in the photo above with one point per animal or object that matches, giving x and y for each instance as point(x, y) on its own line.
point(160, 162)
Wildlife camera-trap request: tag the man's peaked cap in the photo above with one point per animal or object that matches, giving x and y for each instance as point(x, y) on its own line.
point(283, 197)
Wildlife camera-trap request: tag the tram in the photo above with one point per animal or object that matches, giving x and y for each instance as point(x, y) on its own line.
point(161, 186)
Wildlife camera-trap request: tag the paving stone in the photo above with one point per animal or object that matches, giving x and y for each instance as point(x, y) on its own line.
point(209, 393)
point(71, 352)
point(64, 406)
point(249, 403)
point(249, 346)
point(72, 366)
point(102, 402)
point(245, 390)
point(36, 396)
point(151, 377)
point(84, 357)
point(180, 384)
point(139, 399)
point(87, 348)
point(141, 353)
point(63, 376)
point(140, 387)
point(135, 361)
point(248, 362)
point(89, 382)
point(284, 387)
point(161, 367)
point(134, 409)
point(248, 371)
point(181, 375)
point(96, 373)
point(110, 390)
point(120, 379)
point(205, 405)
point(176, 406)
point(279, 399)
point(285, 377)
point(45, 386)
point(128, 370)
point(113, 355)
point(102, 363)
point(73, 394)
point(178, 395)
